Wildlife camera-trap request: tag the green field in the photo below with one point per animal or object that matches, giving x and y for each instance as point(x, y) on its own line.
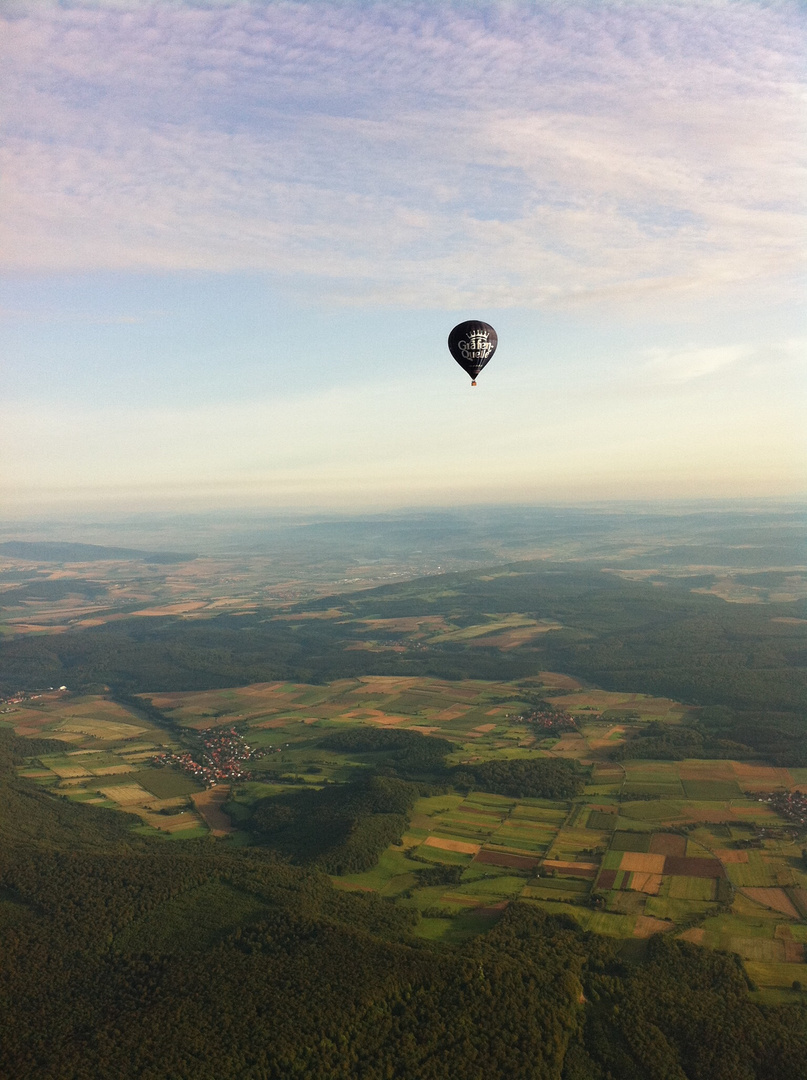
point(165, 783)
point(645, 795)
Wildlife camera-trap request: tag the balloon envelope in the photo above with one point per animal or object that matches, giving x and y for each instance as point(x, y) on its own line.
point(472, 344)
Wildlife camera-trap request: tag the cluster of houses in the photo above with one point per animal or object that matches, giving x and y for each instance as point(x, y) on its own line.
point(791, 805)
point(548, 720)
point(223, 755)
point(32, 695)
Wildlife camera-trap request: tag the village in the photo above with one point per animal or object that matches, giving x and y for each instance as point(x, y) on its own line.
point(223, 756)
point(791, 805)
point(548, 720)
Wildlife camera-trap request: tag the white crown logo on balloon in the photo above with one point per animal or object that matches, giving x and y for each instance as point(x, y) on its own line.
point(477, 347)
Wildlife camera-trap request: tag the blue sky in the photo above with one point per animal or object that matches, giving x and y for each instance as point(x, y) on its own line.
point(234, 237)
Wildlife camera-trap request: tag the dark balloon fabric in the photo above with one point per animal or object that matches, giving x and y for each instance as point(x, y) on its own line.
point(472, 344)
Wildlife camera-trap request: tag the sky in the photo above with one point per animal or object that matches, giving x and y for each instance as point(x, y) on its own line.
point(234, 237)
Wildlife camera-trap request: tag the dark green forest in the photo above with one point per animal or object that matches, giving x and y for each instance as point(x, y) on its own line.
point(124, 958)
point(541, 778)
point(616, 633)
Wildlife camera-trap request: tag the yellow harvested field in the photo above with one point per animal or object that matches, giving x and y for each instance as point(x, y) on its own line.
point(388, 684)
point(451, 845)
point(454, 713)
point(66, 771)
point(101, 729)
point(510, 639)
point(776, 899)
point(731, 855)
point(606, 739)
point(112, 770)
point(646, 883)
point(643, 862)
point(127, 794)
point(646, 926)
point(173, 609)
point(484, 728)
point(406, 624)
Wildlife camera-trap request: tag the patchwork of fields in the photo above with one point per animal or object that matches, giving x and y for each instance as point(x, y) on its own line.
point(682, 847)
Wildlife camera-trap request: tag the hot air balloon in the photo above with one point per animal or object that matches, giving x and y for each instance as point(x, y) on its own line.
point(472, 344)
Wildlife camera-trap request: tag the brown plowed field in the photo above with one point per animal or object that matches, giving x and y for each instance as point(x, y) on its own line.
point(731, 855)
point(689, 867)
point(696, 935)
point(764, 777)
point(574, 869)
point(667, 844)
point(606, 879)
point(646, 883)
point(209, 804)
point(646, 926)
point(776, 899)
point(500, 858)
point(794, 952)
point(493, 909)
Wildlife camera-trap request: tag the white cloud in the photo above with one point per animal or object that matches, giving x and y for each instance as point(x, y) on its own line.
point(685, 365)
point(425, 155)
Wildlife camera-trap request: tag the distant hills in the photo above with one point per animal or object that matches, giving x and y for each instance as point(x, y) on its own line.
point(55, 551)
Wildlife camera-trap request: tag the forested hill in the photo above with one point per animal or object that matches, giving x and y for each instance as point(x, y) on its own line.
point(63, 551)
point(628, 635)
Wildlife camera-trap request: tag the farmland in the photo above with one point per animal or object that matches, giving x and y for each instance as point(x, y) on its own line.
point(689, 848)
point(269, 815)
